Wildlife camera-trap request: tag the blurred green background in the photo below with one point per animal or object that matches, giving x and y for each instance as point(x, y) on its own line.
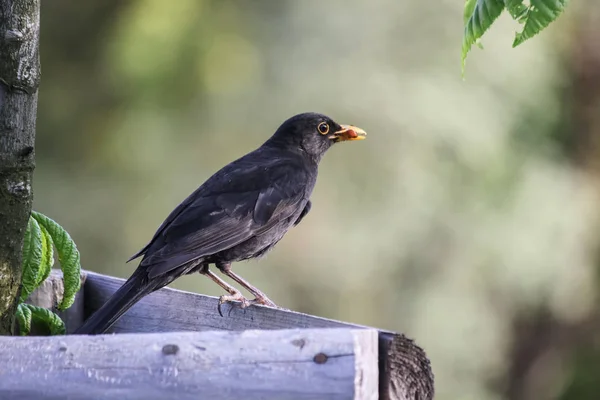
point(468, 220)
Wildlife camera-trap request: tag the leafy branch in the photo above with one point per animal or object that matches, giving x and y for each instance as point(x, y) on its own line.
point(41, 237)
point(479, 15)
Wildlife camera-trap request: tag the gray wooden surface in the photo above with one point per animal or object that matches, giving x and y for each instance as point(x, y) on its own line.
point(285, 364)
point(405, 371)
point(49, 294)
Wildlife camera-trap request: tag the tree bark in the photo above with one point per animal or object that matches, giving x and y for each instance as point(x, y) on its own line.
point(19, 81)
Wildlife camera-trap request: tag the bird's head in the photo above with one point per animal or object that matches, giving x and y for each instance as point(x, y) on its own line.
point(313, 134)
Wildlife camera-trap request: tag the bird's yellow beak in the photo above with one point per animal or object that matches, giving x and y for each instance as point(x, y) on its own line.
point(348, 132)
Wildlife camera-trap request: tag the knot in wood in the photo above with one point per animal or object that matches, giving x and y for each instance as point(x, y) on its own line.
point(299, 343)
point(320, 358)
point(170, 349)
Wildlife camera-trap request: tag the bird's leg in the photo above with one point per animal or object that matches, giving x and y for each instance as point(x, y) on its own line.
point(259, 297)
point(234, 294)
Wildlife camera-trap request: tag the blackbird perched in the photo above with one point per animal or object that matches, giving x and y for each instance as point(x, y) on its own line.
point(239, 213)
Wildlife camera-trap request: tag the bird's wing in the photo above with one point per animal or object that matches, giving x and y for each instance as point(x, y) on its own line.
point(224, 216)
point(307, 208)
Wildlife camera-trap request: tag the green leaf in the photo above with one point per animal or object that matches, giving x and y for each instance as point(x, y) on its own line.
point(47, 256)
point(469, 8)
point(44, 316)
point(468, 11)
point(539, 15)
point(483, 14)
point(68, 256)
point(32, 258)
point(24, 318)
point(517, 9)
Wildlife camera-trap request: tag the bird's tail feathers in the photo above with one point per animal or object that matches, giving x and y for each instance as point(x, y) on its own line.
point(139, 253)
point(136, 287)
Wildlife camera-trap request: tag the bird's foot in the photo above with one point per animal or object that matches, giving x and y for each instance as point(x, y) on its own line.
point(260, 297)
point(239, 301)
point(235, 299)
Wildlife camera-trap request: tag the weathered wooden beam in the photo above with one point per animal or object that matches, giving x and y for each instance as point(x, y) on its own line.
point(50, 293)
point(405, 371)
point(315, 364)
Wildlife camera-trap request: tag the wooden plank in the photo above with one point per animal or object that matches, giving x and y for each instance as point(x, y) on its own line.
point(405, 369)
point(49, 294)
point(285, 364)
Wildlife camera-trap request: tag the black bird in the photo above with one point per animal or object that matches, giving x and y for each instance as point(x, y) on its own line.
point(239, 213)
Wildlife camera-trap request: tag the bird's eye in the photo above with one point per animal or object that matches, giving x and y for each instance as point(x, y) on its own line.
point(323, 128)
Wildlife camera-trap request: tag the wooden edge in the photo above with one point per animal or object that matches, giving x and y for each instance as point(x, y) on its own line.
point(315, 364)
point(50, 293)
point(366, 376)
point(405, 371)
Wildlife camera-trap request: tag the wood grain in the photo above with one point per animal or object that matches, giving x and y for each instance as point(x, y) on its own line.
point(49, 294)
point(283, 364)
point(405, 369)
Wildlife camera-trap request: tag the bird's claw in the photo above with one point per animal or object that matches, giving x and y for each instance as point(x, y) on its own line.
point(236, 299)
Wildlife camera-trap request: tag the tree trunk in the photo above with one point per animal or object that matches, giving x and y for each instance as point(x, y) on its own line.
point(19, 80)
